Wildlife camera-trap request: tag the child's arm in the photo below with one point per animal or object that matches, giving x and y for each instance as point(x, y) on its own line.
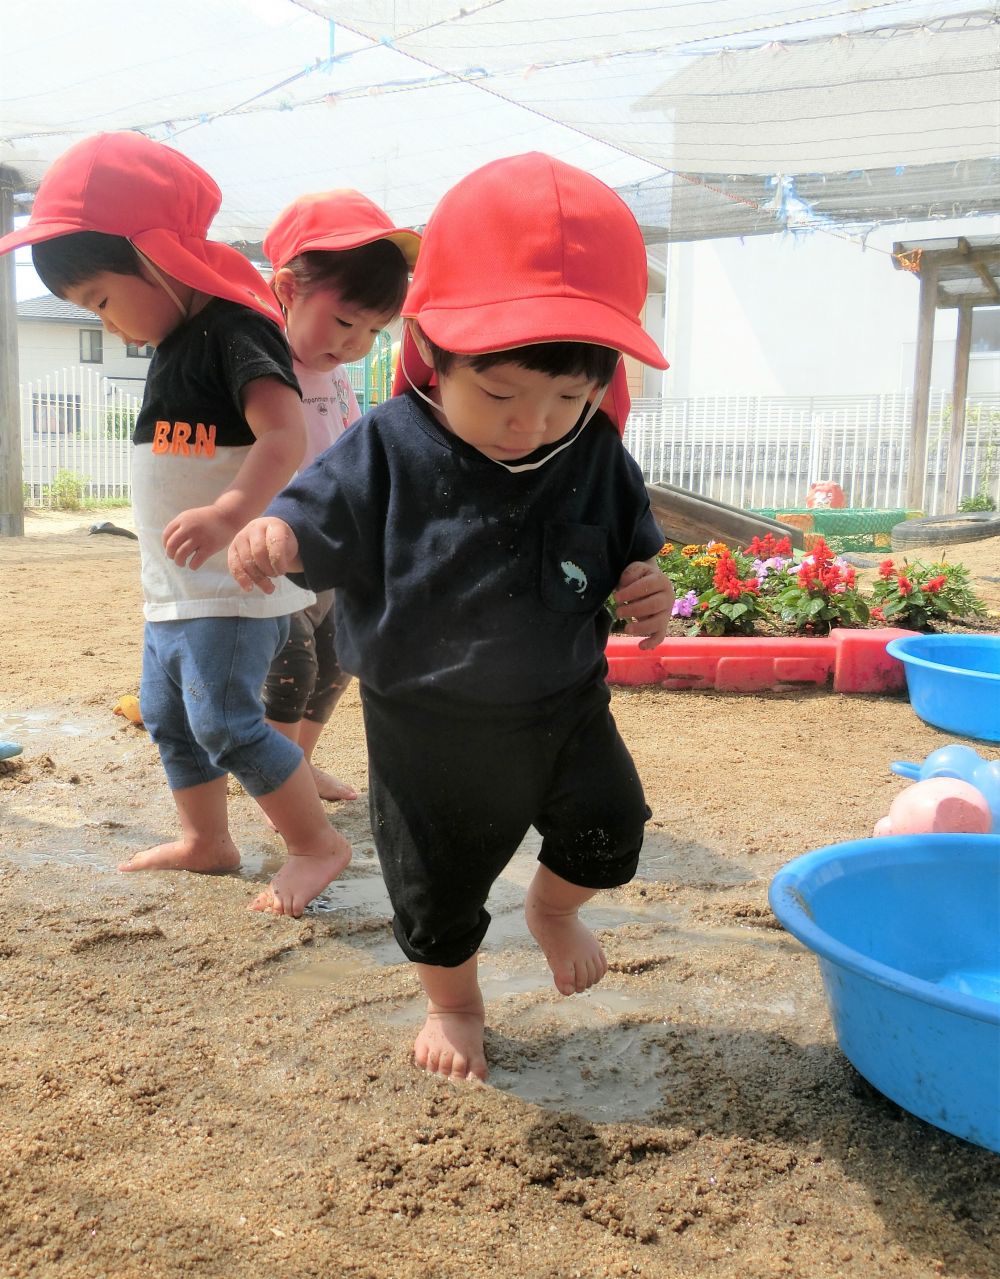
point(646, 594)
point(274, 413)
point(266, 548)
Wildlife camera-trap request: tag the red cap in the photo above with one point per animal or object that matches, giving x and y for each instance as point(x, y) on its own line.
point(528, 250)
point(163, 203)
point(333, 221)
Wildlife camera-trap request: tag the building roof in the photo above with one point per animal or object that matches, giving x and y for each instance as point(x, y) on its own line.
point(54, 310)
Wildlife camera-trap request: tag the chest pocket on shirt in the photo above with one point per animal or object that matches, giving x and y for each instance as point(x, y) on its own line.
point(575, 575)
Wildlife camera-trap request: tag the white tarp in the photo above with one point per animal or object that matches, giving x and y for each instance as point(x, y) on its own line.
point(715, 116)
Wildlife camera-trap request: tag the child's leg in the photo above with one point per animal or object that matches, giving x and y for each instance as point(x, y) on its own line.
point(450, 800)
point(205, 844)
point(328, 688)
point(213, 669)
point(592, 825)
point(317, 853)
point(304, 679)
point(197, 785)
point(574, 954)
point(328, 785)
point(451, 1041)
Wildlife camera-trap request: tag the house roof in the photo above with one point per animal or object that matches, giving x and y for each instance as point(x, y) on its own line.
point(54, 310)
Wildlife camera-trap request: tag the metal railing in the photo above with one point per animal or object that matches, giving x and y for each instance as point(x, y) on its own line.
point(749, 451)
point(765, 451)
point(76, 433)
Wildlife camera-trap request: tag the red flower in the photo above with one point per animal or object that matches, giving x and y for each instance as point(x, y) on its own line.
point(878, 615)
point(887, 569)
point(935, 584)
point(726, 579)
point(904, 584)
point(768, 547)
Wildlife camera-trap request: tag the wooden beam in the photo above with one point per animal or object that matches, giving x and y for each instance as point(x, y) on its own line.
point(938, 258)
point(922, 389)
point(11, 482)
point(988, 280)
point(959, 391)
point(953, 301)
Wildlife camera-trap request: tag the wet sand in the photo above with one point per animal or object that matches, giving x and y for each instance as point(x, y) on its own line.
point(190, 1088)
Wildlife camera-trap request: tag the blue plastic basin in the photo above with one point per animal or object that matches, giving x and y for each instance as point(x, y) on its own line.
point(907, 933)
point(953, 681)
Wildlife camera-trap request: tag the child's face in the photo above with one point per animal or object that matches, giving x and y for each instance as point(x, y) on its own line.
point(134, 307)
point(323, 330)
point(507, 411)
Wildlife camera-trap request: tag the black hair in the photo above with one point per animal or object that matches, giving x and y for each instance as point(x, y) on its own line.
point(557, 359)
point(372, 276)
point(68, 260)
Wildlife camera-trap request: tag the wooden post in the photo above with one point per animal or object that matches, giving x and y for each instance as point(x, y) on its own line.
point(11, 484)
point(922, 389)
point(960, 388)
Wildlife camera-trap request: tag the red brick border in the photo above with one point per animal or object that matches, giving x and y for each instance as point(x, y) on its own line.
point(847, 661)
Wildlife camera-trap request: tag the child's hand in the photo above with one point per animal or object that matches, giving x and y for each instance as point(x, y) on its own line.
point(645, 594)
point(195, 535)
point(265, 548)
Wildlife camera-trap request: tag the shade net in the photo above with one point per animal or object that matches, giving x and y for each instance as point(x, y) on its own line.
point(714, 118)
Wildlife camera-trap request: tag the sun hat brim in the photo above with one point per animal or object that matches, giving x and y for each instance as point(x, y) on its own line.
point(501, 326)
point(408, 243)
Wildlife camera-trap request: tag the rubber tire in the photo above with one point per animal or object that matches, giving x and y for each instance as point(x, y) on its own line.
point(946, 530)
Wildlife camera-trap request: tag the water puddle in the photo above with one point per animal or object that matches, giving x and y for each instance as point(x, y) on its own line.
point(604, 1073)
point(666, 860)
point(364, 893)
point(324, 974)
point(16, 725)
point(63, 859)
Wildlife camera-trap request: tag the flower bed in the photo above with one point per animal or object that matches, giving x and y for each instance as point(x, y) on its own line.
point(766, 618)
point(741, 592)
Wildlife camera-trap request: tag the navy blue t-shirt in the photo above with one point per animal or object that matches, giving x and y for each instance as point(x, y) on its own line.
point(455, 576)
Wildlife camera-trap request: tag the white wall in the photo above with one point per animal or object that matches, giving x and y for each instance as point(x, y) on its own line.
point(46, 348)
point(807, 314)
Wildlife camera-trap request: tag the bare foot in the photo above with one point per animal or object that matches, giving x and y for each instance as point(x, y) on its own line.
point(330, 787)
point(208, 859)
point(302, 878)
point(574, 954)
point(451, 1044)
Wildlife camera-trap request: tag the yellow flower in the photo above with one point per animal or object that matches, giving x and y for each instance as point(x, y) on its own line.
point(690, 550)
point(717, 548)
point(667, 548)
point(704, 561)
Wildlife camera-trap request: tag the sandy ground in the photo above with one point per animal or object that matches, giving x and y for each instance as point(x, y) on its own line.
point(189, 1088)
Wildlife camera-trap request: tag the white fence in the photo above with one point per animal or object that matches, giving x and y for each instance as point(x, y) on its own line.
point(750, 451)
point(76, 431)
point(764, 452)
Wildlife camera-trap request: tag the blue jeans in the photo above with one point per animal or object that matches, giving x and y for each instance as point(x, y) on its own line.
point(201, 701)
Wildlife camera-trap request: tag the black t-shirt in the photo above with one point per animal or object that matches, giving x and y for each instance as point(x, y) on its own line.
point(191, 438)
point(455, 576)
point(198, 372)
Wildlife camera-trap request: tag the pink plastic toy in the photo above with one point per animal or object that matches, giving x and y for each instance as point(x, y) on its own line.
point(935, 805)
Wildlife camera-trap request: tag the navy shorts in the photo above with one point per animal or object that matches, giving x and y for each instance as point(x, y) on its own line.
point(452, 794)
